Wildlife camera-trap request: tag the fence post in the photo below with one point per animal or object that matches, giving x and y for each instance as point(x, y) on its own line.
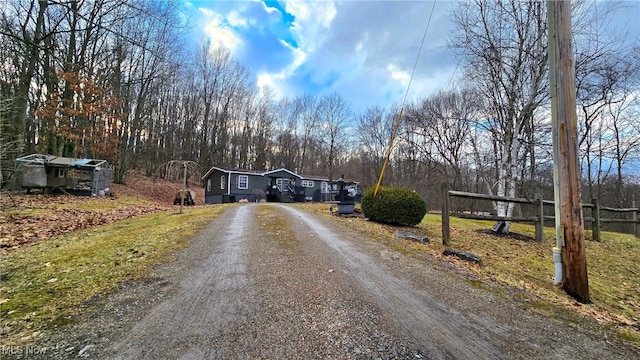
point(636, 227)
point(595, 225)
point(445, 214)
point(540, 222)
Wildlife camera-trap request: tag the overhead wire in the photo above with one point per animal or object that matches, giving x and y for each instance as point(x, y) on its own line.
point(404, 99)
point(453, 74)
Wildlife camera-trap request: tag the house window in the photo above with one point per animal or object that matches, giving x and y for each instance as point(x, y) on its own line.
point(60, 173)
point(208, 184)
point(307, 183)
point(243, 182)
point(223, 181)
point(324, 187)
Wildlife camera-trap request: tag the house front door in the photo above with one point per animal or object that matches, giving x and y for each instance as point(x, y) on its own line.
point(282, 184)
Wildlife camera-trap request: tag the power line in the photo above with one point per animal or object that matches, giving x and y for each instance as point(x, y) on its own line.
point(397, 124)
point(452, 76)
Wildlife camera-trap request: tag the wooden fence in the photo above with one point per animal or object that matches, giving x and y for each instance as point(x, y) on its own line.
point(595, 219)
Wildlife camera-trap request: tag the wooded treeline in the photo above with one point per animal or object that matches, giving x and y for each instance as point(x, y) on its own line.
point(119, 80)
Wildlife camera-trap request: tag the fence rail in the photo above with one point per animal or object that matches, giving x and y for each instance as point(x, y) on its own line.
point(595, 219)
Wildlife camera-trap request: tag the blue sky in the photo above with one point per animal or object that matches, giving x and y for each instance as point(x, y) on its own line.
point(363, 50)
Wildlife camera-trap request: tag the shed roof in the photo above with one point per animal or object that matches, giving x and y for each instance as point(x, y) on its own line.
point(61, 161)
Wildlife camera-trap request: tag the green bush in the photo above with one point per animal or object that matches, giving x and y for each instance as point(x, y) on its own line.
point(394, 205)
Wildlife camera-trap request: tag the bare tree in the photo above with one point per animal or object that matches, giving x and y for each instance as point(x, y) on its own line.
point(442, 129)
point(23, 30)
point(176, 169)
point(142, 51)
point(625, 128)
point(286, 143)
point(10, 147)
point(504, 44)
point(263, 129)
point(374, 127)
point(307, 106)
point(334, 113)
point(606, 76)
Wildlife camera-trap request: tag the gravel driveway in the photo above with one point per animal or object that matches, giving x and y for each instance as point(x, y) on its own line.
point(270, 281)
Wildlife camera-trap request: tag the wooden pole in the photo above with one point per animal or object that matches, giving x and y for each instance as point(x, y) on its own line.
point(540, 222)
point(445, 214)
point(635, 218)
point(595, 224)
point(184, 186)
point(551, 48)
point(386, 158)
point(574, 260)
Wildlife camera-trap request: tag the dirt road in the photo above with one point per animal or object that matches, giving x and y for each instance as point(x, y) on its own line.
point(268, 281)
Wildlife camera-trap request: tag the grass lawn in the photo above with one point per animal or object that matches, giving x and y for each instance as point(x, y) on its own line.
point(42, 284)
point(525, 270)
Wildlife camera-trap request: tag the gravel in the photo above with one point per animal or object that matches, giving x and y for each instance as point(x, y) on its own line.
point(239, 291)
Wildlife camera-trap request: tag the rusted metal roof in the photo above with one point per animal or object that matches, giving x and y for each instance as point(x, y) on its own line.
point(60, 161)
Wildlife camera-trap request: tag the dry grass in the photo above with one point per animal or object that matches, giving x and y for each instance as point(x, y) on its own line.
point(43, 284)
point(60, 250)
point(276, 227)
point(524, 270)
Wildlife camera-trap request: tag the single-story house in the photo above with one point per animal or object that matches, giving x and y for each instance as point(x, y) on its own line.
point(224, 185)
point(49, 172)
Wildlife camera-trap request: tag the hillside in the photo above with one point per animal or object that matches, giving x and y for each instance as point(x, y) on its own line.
point(29, 218)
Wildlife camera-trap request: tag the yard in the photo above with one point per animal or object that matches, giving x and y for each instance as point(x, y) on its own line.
point(524, 269)
point(40, 227)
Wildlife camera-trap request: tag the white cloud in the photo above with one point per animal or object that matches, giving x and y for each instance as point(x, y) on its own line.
point(312, 21)
point(221, 35)
point(269, 9)
point(368, 49)
point(363, 50)
point(397, 74)
point(207, 12)
point(277, 80)
point(301, 10)
point(299, 56)
point(266, 80)
point(235, 18)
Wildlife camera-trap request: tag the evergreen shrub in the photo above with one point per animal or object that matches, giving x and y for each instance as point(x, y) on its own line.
point(394, 205)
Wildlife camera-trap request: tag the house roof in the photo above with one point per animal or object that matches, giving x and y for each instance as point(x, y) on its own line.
point(263, 173)
point(314, 177)
point(281, 169)
point(231, 171)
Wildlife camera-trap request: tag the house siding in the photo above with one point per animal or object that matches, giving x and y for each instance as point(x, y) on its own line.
point(231, 192)
point(259, 184)
point(314, 193)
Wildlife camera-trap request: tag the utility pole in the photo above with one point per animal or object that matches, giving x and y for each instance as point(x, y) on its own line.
point(566, 166)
